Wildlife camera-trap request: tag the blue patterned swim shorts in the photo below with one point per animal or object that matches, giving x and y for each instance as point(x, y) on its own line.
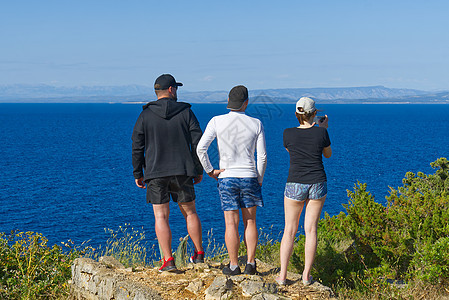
point(303, 191)
point(236, 193)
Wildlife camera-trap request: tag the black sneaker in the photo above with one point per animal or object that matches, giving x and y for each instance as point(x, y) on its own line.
point(169, 265)
point(197, 258)
point(250, 269)
point(227, 271)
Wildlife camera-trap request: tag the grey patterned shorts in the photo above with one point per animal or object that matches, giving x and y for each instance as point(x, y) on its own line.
point(302, 191)
point(236, 193)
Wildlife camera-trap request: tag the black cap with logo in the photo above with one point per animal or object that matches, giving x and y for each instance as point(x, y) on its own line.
point(165, 81)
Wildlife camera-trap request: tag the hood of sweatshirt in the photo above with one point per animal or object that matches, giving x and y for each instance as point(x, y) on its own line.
point(166, 107)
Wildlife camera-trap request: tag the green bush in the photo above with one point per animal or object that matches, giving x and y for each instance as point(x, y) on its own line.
point(29, 269)
point(431, 262)
point(372, 244)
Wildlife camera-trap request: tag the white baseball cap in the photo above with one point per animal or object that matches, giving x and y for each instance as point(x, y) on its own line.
point(307, 105)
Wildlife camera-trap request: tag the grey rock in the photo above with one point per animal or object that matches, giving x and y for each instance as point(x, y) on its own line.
point(266, 296)
point(238, 278)
point(200, 267)
point(111, 262)
point(139, 268)
point(130, 290)
point(318, 287)
point(195, 286)
point(93, 280)
point(122, 293)
point(271, 288)
point(182, 282)
point(216, 265)
point(142, 296)
point(167, 273)
point(243, 277)
point(106, 287)
point(251, 288)
point(85, 265)
point(221, 288)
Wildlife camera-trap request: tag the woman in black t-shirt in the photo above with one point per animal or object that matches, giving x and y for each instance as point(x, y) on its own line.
point(306, 183)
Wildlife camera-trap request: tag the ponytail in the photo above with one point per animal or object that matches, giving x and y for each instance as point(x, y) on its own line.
point(303, 116)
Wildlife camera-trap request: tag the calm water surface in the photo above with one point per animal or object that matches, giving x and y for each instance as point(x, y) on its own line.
point(66, 171)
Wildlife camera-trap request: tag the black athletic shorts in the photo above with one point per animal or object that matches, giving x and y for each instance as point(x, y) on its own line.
point(179, 187)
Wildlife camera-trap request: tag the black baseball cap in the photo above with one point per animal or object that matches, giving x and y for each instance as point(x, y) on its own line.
point(165, 81)
point(237, 96)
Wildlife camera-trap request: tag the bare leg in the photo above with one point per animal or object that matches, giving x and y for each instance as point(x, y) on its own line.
point(313, 212)
point(292, 210)
point(193, 224)
point(232, 238)
point(163, 232)
point(251, 234)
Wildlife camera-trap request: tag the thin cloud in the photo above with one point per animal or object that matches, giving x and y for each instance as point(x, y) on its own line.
point(208, 78)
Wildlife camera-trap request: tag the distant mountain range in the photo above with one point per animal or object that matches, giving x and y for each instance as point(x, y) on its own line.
point(20, 93)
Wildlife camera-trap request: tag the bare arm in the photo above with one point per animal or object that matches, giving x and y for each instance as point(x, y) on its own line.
point(327, 152)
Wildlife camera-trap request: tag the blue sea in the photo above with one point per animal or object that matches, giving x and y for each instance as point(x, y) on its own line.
point(65, 169)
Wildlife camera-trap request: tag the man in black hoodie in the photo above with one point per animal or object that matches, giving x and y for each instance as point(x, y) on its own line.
point(166, 164)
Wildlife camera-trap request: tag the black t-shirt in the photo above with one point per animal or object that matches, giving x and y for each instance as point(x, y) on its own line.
point(305, 147)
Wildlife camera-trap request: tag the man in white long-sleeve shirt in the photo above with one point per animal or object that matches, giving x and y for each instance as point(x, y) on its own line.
point(239, 180)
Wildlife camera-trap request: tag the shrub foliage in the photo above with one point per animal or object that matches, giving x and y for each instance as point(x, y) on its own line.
point(372, 245)
point(29, 269)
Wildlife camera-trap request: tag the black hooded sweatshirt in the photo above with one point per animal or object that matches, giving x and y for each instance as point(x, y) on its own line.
point(164, 141)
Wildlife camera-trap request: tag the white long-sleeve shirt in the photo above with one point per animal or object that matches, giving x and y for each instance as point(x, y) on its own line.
point(238, 137)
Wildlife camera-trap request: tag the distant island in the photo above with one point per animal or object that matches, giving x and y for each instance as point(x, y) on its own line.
point(21, 93)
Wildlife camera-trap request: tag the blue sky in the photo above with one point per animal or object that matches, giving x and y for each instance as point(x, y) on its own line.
point(211, 45)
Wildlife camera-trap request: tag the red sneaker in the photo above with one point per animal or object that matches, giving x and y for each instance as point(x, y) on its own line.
point(198, 257)
point(169, 265)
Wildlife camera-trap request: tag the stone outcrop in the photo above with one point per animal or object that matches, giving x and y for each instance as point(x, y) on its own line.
point(221, 288)
point(108, 279)
point(105, 280)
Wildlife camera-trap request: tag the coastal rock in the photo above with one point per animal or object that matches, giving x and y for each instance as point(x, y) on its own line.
point(221, 288)
point(111, 262)
point(200, 267)
point(195, 286)
point(254, 287)
point(265, 296)
point(242, 277)
point(251, 288)
point(131, 290)
point(94, 280)
point(318, 287)
point(106, 280)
